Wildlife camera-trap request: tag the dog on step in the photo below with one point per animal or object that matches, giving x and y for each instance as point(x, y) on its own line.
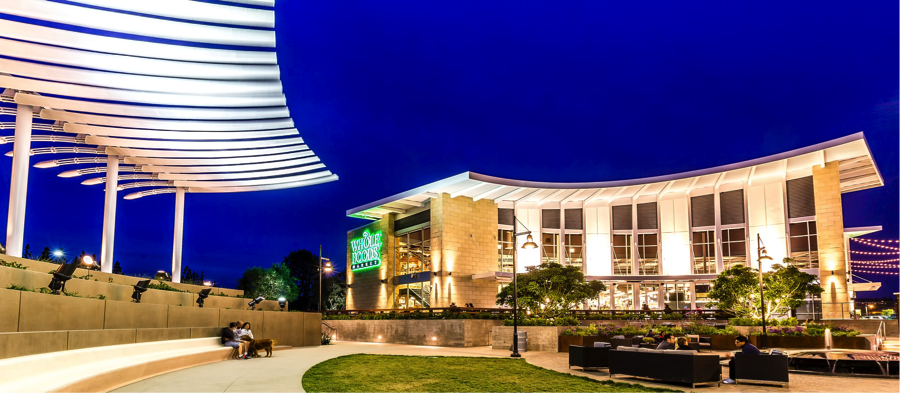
point(258, 345)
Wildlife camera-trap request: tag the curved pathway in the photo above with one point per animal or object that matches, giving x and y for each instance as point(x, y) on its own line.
point(284, 372)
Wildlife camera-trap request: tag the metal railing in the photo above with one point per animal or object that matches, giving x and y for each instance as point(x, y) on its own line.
point(880, 336)
point(580, 314)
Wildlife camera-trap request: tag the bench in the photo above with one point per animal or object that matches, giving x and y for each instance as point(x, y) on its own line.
point(102, 369)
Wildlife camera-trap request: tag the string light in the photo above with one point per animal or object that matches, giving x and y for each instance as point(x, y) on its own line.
point(859, 239)
point(879, 261)
point(874, 253)
point(873, 244)
point(875, 272)
point(881, 266)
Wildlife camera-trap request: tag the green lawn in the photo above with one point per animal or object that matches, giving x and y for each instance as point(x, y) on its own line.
point(389, 373)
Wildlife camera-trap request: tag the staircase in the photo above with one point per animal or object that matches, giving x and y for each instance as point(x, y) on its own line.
point(892, 344)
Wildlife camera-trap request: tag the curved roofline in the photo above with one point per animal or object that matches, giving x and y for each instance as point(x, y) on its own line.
point(677, 176)
point(859, 136)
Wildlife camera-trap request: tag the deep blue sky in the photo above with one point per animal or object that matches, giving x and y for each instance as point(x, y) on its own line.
point(393, 95)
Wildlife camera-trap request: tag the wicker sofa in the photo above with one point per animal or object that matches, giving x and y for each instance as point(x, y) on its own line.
point(687, 367)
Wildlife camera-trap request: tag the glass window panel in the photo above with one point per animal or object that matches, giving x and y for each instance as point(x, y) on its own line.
point(622, 254)
point(426, 234)
point(812, 227)
point(800, 243)
point(737, 234)
point(620, 240)
point(798, 229)
point(738, 248)
point(415, 237)
point(813, 243)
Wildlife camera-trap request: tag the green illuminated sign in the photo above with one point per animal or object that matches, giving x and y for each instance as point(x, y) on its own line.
point(366, 251)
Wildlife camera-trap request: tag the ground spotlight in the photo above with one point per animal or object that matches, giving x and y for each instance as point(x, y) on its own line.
point(282, 302)
point(207, 283)
point(139, 289)
point(254, 302)
point(58, 253)
point(202, 296)
point(60, 276)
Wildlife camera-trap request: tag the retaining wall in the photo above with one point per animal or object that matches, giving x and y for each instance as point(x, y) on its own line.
point(438, 332)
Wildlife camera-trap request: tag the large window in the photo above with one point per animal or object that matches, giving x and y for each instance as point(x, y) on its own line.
point(734, 247)
point(550, 247)
point(704, 244)
point(504, 250)
point(413, 250)
point(574, 250)
point(804, 245)
point(678, 296)
point(622, 254)
point(624, 296)
point(648, 254)
point(650, 296)
point(415, 295)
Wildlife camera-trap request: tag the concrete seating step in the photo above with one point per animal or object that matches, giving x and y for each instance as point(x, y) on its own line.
point(102, 369)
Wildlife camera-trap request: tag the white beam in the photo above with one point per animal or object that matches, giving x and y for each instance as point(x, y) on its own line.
point(109, 215)
point(465, 190)
point(18, 184)
point(486, 193)
point(179, 233)
point(508, 194)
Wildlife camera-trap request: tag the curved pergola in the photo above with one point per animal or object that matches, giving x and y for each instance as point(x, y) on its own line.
point(185, 95)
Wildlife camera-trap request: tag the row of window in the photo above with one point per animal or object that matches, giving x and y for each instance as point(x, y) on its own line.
point(413, 250)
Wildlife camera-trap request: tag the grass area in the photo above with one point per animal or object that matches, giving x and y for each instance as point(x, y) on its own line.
point(390, 373)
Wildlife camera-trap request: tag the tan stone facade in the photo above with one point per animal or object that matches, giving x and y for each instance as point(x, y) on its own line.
point(830, 228)
point(366, 290)
point(464, 242)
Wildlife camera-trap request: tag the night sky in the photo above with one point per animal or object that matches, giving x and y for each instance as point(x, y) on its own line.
point(394, 95)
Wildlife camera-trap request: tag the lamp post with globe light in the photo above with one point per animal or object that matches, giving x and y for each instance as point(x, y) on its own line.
point(762, 255)
point(89, 262)
point(327, 269)
point(528, 245)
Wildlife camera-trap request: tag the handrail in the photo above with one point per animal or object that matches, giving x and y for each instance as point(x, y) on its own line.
point(702, 314)
point(880, 336)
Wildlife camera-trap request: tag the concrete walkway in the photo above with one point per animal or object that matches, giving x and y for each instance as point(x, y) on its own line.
point(284, 372)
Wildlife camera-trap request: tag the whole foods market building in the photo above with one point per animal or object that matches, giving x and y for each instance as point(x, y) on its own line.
point(657, 241)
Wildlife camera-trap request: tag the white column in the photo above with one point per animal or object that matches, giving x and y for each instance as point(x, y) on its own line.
point(612, 296)
point(109, 215)
point(661, 296)
point(18, 183)
point(693, 295)
point(179, 233)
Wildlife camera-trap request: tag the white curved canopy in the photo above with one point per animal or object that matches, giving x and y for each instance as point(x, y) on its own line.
point(144, 84)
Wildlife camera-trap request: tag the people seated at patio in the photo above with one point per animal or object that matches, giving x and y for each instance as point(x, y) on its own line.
point(746, 349)
point(667, 309)
point(229, 340)
point(667, 343)
point(681, 344)
point(645, 307)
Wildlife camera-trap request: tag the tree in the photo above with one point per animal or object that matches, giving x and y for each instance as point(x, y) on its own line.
point(117, 268)
point(270, 283)
point(26, 253)
point(45, 255)
point(550, 290)
point(737, 290)
point(334, 290)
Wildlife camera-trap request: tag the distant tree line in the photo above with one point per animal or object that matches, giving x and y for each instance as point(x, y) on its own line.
point(296, 278)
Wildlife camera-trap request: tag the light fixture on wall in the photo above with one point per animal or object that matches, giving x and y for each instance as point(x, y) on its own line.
point(384, 281)
point(139, 289)
point(60, 276)
point(256, 301)
point(282, 302)
point(449, 273)
point(201, 297)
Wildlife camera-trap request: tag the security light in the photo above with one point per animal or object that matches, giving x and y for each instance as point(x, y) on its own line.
point(328, 267)
point(282, 302)
point(87, 260)
point(254, 302)
point(60, 276)
point(139, 289)
point(207, 283)
point(58, 253)
point(202, 296)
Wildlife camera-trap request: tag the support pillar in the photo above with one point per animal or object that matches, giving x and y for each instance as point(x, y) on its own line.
point(109, 215)
point(179, 233)
point(18, 183)
point(830, 233)
point(693, 295)
point(661, 296)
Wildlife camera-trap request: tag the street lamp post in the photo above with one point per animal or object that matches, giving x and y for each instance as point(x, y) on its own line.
point(89, 262)
point(761, 256)
point(327, 268)
point(529, 245)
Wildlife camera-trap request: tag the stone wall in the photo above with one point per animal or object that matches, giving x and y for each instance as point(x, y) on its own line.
point(441, 332)
point(367, 292)
point(45, 267)
point(464, 242)
point(540, 338)
point(830, 234)
point(33, 323)
point(35, 278)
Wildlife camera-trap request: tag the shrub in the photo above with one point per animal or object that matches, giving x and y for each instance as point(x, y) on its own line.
point(18, 288)
point(529, 322)
point(566, 321)
point(163, 287)
point(14, 265)
point(326, 339)
point(648, 340)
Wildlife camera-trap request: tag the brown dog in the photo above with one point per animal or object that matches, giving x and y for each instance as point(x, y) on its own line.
point(257, 345)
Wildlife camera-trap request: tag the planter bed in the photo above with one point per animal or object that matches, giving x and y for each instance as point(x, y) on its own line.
point(794, 342)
